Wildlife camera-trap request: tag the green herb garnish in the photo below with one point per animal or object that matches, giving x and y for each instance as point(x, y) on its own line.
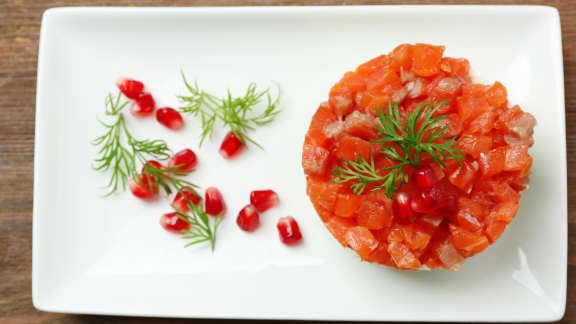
point(165, 179)
point(120, 151)
point(403, 142)
point(235, 113)
point(202, 227)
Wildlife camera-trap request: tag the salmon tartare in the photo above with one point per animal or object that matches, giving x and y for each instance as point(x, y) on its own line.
point(413, 165)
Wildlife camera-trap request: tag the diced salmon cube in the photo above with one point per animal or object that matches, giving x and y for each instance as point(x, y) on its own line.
point(426, 59)
point(494, 228)
point(493, 161)
point(403, 257)
point(459, 67)
point(361, 125)
point(454, 123)
point(468, 241)
point(361, 240)
point(402, 57)
point(315, 160)
point(347, 204)
point(381, 256)
point(316, 133)
point(464, 175)
point(415, 237)
point(470, 214)
point(323, 193)
point(354, 81)
point(517, 158)
point(374, 214)
point(483, 123)
point(338, 227)
point(341, 100)
point(505, 211)
point(350, 147)
point(374, 64)
point(474, 144)
point(449, 256)
point(497, 94)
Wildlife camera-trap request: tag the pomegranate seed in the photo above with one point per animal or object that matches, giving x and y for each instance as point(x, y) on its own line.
point(289, 230)
point(184, 160)
point(264, 199)
point(190, 196)
point(172, 223)
point(143, 106)
point(425, 177)
point(448, 204)
point(248, 218)
point(427, 200)
point(139, 186)
point(130, 88)
point(169, 118)
point(152, 164)
point(145, 176)
point(214, 204)
point(231, 146)
point(402, 207)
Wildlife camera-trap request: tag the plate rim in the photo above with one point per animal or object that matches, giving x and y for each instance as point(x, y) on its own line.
point(52, 14)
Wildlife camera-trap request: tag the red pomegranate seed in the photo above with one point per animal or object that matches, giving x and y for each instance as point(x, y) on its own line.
point(264, 199)
point(190, 196)
point(231, 146)
point(172, 223)
point(184, 160)
point(130, 88)
point(425, 177)
point(143, 106)
point(169, 118)
point(427, 200)
point(154, 164)
point(248, 218)
point(448, 204)
point(289, 230)
point(402, 207)
point(139, 186)
point(213, 202)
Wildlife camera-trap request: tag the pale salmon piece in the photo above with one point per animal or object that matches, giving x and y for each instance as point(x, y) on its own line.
point(347, 204)
point(449, 256)
point(374, 214)
point(351, 148)
point(361, 240)
point(473, 242)
point(315, 160)
point(338, 227)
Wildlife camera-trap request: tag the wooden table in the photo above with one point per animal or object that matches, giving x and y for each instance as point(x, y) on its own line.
point(19, 30)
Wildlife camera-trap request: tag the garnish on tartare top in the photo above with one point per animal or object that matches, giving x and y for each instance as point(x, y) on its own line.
point(403, 141)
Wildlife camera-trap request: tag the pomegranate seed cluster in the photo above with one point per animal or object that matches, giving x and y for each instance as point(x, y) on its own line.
point(145, 186)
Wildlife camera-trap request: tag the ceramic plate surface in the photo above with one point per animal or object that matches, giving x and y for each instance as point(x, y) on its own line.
point(110, 256)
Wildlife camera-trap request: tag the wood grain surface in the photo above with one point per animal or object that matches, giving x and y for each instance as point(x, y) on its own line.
point(19, 31)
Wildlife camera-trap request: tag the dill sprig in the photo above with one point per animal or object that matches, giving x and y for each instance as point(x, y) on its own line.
point(120, 151)
point(235, 113)
point(403, 142)
point(166, 179)
point(364, 174)
point(202, 227)
point(417, 135)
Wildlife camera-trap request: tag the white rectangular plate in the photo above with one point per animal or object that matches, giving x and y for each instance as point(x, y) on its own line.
point(110, 256)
